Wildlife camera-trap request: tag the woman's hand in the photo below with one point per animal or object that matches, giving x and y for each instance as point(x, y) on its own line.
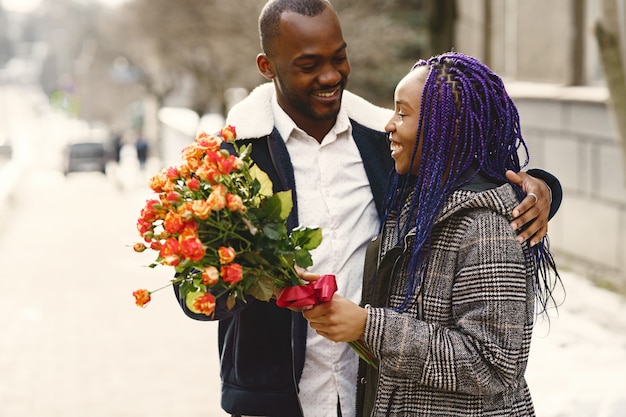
point(339, 320)
point(532, 213)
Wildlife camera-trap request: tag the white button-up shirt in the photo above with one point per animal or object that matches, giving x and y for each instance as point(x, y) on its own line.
point(333, 192)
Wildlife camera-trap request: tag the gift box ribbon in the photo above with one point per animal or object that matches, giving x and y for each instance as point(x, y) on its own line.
point(315, 292)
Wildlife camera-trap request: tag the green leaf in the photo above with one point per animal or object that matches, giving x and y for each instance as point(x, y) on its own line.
point(261, 289)
point(271, 208)
point(185, 288)
point(286, 203)
point(254, 258)
point(306, 238)
point(275, 231)
point(264, 180)
point(303, 258)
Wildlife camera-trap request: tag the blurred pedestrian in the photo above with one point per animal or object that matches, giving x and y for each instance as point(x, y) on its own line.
point(451, 294)
point(117, 147)
point(142, 147)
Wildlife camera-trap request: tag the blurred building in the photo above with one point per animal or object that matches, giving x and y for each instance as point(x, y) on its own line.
point(548, 55)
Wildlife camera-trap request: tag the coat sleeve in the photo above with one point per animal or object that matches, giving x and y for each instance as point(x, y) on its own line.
point(476, 329)
point(554, 185)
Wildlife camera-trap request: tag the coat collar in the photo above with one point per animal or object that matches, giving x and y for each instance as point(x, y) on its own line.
point(501, 200)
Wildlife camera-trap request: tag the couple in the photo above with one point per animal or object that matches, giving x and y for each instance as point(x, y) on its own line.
point(450, 280)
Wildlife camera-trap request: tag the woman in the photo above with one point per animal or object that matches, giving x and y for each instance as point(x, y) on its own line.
point(451, 294)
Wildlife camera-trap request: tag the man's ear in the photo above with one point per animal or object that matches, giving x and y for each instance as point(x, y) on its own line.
point(265, 67)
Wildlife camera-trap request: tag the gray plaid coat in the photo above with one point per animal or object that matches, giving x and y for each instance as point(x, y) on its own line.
point(462, 348)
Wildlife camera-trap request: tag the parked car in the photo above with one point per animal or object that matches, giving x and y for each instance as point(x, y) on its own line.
point(85, 156)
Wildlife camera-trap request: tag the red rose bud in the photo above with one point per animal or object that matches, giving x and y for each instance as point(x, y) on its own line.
point(139, 247)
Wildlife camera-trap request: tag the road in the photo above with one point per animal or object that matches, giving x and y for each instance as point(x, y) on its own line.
point(73, 344)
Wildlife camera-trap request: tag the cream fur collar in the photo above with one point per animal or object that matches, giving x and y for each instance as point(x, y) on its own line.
point(252, 117)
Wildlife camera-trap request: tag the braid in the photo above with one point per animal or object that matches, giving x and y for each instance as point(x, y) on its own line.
point(466, 120)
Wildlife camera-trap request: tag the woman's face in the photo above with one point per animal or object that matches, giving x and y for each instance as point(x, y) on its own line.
point(403, 125)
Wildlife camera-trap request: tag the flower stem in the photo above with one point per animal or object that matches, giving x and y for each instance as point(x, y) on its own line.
point(363, 352)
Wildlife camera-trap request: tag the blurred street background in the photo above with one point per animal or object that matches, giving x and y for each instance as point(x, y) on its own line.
point(97, 96)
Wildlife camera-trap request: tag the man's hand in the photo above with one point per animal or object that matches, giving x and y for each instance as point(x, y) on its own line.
point(532, 213)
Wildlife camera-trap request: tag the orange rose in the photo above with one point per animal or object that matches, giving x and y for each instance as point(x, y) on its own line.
point(185, 211)
point(173, 223)
point(157, 182)
point(192, 248)
point(226, 254)
point(184, 170)
point(193, 184)
point(234, 203)
point(228, 133)
point(193, 151)
point(210, 275)
point(172, 173)
point(190, 228)
point(143, 227)
point(173, 196)
point(207, 173)
point(209, 142)
point(142, 297)
point(227, 164)
point(201, 209)
point(170, 252)
point(231, 273)
point(149, 212)
point(200, 302)
point(217, 198)
point(193, 163)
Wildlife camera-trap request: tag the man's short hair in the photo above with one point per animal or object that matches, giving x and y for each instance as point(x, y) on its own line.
point(269, 20)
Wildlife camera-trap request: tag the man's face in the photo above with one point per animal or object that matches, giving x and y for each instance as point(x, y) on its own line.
point(310, 66)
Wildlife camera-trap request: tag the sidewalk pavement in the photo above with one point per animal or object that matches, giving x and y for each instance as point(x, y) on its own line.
point(577, 365)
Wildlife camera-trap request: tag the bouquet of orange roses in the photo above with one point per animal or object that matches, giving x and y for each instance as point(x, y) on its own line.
point(216, 221)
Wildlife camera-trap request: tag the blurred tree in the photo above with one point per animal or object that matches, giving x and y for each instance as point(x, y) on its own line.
point(190, 51)
point(386, 37)
point(607, 32)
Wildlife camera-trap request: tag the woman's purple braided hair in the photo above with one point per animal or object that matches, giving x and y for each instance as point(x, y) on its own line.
point(469, 125)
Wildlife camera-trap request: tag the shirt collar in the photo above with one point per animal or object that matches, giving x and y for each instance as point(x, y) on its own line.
point(287, 127)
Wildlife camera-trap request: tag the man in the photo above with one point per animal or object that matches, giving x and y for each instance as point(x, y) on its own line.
point(327, 146)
